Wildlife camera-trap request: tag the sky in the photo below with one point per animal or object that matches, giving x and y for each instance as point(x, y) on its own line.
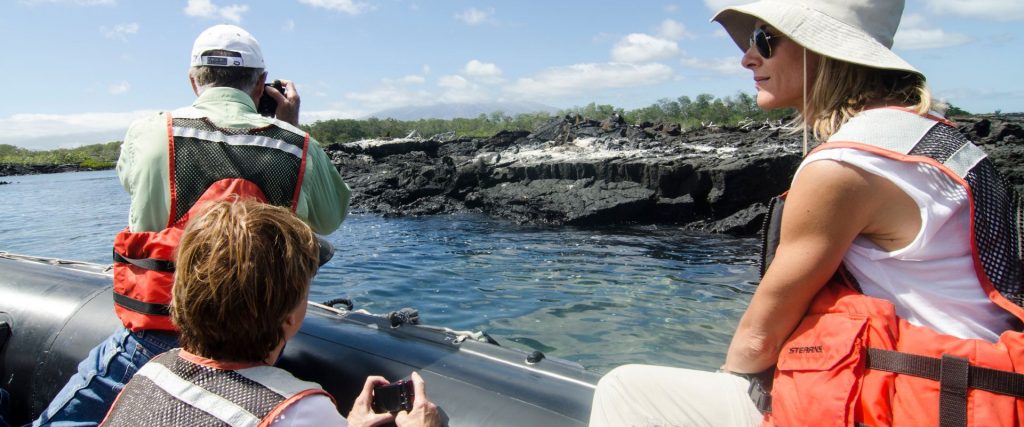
point(77, 72)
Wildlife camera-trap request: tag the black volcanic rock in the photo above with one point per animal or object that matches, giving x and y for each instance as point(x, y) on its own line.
point(573, 170)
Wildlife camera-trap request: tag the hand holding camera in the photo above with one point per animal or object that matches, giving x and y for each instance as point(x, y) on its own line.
point(280, 99)
point(404, 402)
point(394, 397)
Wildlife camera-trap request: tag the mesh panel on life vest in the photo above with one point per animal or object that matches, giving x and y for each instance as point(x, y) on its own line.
point(997, 208)
point(199, 163)
point(144, 403)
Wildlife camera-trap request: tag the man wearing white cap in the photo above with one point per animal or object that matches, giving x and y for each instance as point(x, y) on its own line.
point(892, 288)
point(172, 164)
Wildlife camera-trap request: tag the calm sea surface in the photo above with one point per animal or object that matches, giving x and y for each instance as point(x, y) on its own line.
point(600, 297)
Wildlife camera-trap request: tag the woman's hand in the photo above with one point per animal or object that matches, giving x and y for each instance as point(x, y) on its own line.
point(362, 413)
point(424, 413)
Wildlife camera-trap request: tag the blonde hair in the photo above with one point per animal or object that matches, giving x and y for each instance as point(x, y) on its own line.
point(841, 90)
point(241, 269)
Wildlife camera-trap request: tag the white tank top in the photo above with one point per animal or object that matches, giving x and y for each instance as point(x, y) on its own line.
point(932, 281)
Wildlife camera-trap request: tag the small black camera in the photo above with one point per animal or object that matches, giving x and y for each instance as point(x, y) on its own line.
point(268, 106)
point(394, 397)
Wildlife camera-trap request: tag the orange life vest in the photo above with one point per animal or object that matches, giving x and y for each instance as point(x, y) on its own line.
point(207, 163)
point(853, 361)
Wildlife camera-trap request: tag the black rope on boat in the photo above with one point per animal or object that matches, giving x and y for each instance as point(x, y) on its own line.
point(405, 316)
point(343, 301)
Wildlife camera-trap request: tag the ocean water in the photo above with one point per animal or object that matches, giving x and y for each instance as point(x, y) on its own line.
point(597, 296)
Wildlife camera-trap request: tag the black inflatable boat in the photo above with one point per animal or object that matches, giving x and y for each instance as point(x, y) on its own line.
point(57, 310)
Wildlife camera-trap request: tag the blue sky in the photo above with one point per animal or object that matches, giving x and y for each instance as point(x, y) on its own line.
point(78, 71)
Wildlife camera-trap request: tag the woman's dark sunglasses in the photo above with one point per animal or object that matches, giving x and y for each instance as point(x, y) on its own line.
point(762, 40)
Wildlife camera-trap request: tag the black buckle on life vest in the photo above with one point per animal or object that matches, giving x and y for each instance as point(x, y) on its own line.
point(955, 375)
point(760, 389)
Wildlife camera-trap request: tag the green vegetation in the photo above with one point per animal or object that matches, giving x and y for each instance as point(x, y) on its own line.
point(954, 111)
point(703, 110)
point(96, 156)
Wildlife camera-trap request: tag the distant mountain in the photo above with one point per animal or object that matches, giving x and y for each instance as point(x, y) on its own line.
point(468, 110)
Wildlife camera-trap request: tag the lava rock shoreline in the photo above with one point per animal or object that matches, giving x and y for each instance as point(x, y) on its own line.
point(576, 171)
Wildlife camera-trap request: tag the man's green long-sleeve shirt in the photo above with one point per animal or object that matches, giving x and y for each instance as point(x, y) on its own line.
point(144, 170)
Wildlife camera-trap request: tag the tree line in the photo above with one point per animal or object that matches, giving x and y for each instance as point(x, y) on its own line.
point(95, 156)
point(703, 110)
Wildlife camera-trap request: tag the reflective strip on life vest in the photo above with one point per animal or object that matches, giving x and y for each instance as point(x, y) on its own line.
point(238, 140)
point(196, 396)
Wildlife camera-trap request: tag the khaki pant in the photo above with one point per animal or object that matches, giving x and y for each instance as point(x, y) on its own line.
point(642, 395)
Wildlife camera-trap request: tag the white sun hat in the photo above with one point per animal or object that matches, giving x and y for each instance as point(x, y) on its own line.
point(232, 39)
point(855, 31)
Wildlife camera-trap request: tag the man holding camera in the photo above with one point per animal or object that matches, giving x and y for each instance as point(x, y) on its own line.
point(171, 164)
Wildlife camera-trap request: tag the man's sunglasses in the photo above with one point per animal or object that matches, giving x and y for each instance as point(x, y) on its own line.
point(762, 40)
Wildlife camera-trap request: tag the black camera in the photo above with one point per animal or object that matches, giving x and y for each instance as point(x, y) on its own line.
point(267, 105)
point(394, 397)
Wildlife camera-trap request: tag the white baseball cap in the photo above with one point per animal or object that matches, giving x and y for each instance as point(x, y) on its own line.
point(856, 31)
point(230, 38)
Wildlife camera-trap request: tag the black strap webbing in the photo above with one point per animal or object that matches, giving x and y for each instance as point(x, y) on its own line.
point(955, 375)
point(146, 263)
point(953, 387)
point(141, 306)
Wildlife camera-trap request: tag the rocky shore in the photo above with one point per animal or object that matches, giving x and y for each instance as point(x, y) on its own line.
point(577, 171)
point(9, 169)
point(583, 172)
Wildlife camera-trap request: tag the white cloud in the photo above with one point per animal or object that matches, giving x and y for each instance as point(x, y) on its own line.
point(206, 9)
point(457, 89)
point(484, 71)
point(717, 5)
point(391, 94)
point(584, 78)
point(672, 30)
point(996, 10)
point(119, 88)
point(637, 47)
point(724, 65)
point(76, 2)
point(671, 8)
point(48, 131)
point(120, 31)
point(334, 113)
point(412, 79)
point(426, 68)
point(474, 16)
point(350, 7)
point(288, 26)
point(915, 32)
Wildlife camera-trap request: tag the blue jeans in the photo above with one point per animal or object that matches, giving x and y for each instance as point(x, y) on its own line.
point(88, 395)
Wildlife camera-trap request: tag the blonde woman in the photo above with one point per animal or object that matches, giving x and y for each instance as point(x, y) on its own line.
point(897, 261)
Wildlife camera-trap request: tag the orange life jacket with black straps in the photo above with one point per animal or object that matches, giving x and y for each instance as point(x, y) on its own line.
point(207, 163)
point(853, 361)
